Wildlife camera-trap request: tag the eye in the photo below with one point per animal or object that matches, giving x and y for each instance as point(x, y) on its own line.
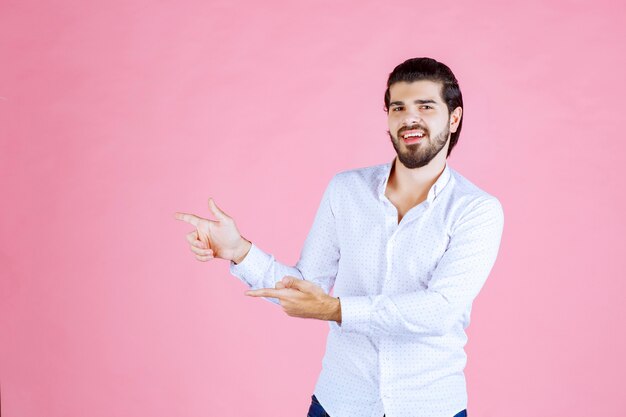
point(398, 108)
point(426, 107)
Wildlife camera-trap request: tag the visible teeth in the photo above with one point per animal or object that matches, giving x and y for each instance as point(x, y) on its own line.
point(411, 135)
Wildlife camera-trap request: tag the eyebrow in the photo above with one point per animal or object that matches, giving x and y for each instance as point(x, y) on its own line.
point(400, 103)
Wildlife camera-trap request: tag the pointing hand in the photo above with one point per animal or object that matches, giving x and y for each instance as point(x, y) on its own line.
point(215, 238)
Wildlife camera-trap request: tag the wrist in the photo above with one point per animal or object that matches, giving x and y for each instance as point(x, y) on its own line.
point(335, 312)
point(242, 250)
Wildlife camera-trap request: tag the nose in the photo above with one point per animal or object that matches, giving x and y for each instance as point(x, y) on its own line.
point(412, 118)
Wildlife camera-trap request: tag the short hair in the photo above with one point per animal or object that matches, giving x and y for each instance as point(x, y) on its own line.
point(417, 69)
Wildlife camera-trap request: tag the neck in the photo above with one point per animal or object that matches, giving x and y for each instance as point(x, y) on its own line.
point(416, 180)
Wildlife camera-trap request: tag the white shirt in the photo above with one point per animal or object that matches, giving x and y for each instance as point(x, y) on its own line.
point(405, 290)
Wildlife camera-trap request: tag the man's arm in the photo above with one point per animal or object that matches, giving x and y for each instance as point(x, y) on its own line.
point(318, 261)
point(456, 281)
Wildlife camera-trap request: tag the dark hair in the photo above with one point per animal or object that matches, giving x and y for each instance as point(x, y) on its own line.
point(417, 69)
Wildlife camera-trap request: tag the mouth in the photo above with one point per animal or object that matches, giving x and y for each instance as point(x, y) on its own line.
point(413, 136)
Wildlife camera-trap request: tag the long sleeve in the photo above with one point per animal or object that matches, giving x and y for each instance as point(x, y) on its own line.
point(318, 259)
point(456, 281)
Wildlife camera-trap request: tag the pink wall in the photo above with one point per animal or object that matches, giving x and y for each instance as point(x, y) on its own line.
point(114, 115)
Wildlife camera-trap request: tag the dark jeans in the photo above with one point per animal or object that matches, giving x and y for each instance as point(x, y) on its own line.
point(316, 410)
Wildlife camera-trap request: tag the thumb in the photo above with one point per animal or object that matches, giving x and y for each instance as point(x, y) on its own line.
point(296, 283)
point(217, 212)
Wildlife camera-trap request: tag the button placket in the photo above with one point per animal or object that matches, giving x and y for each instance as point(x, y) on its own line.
point(389, 246)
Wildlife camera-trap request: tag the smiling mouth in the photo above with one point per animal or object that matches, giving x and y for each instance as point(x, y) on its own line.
point(413, 136)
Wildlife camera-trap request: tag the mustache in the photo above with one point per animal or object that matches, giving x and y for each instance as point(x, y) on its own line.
point(404, 129)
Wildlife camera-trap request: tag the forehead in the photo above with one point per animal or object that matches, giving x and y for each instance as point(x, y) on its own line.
point(408, 91)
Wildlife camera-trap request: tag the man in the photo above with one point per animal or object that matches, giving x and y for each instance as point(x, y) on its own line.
point(406, 246)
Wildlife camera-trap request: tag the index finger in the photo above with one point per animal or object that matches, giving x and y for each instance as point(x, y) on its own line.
point(266, 292)
point(189, 218)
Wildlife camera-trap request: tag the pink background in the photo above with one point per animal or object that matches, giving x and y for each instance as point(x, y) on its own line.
point(114, 115)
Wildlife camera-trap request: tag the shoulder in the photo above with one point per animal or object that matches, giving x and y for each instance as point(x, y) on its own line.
point(358, 177)
point(473, 199)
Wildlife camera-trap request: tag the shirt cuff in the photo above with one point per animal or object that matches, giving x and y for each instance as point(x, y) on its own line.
point(356, 314)
point(252, 268)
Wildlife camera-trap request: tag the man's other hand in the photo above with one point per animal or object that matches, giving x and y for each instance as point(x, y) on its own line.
point(300, 298)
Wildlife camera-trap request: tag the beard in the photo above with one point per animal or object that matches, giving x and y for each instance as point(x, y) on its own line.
point(421, 153)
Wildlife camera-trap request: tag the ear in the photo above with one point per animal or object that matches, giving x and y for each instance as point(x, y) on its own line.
point(455, 119)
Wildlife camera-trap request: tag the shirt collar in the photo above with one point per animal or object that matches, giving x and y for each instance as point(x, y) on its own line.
point(434, 191)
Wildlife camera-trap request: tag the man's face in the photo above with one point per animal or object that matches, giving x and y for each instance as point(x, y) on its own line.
point(418, 120)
